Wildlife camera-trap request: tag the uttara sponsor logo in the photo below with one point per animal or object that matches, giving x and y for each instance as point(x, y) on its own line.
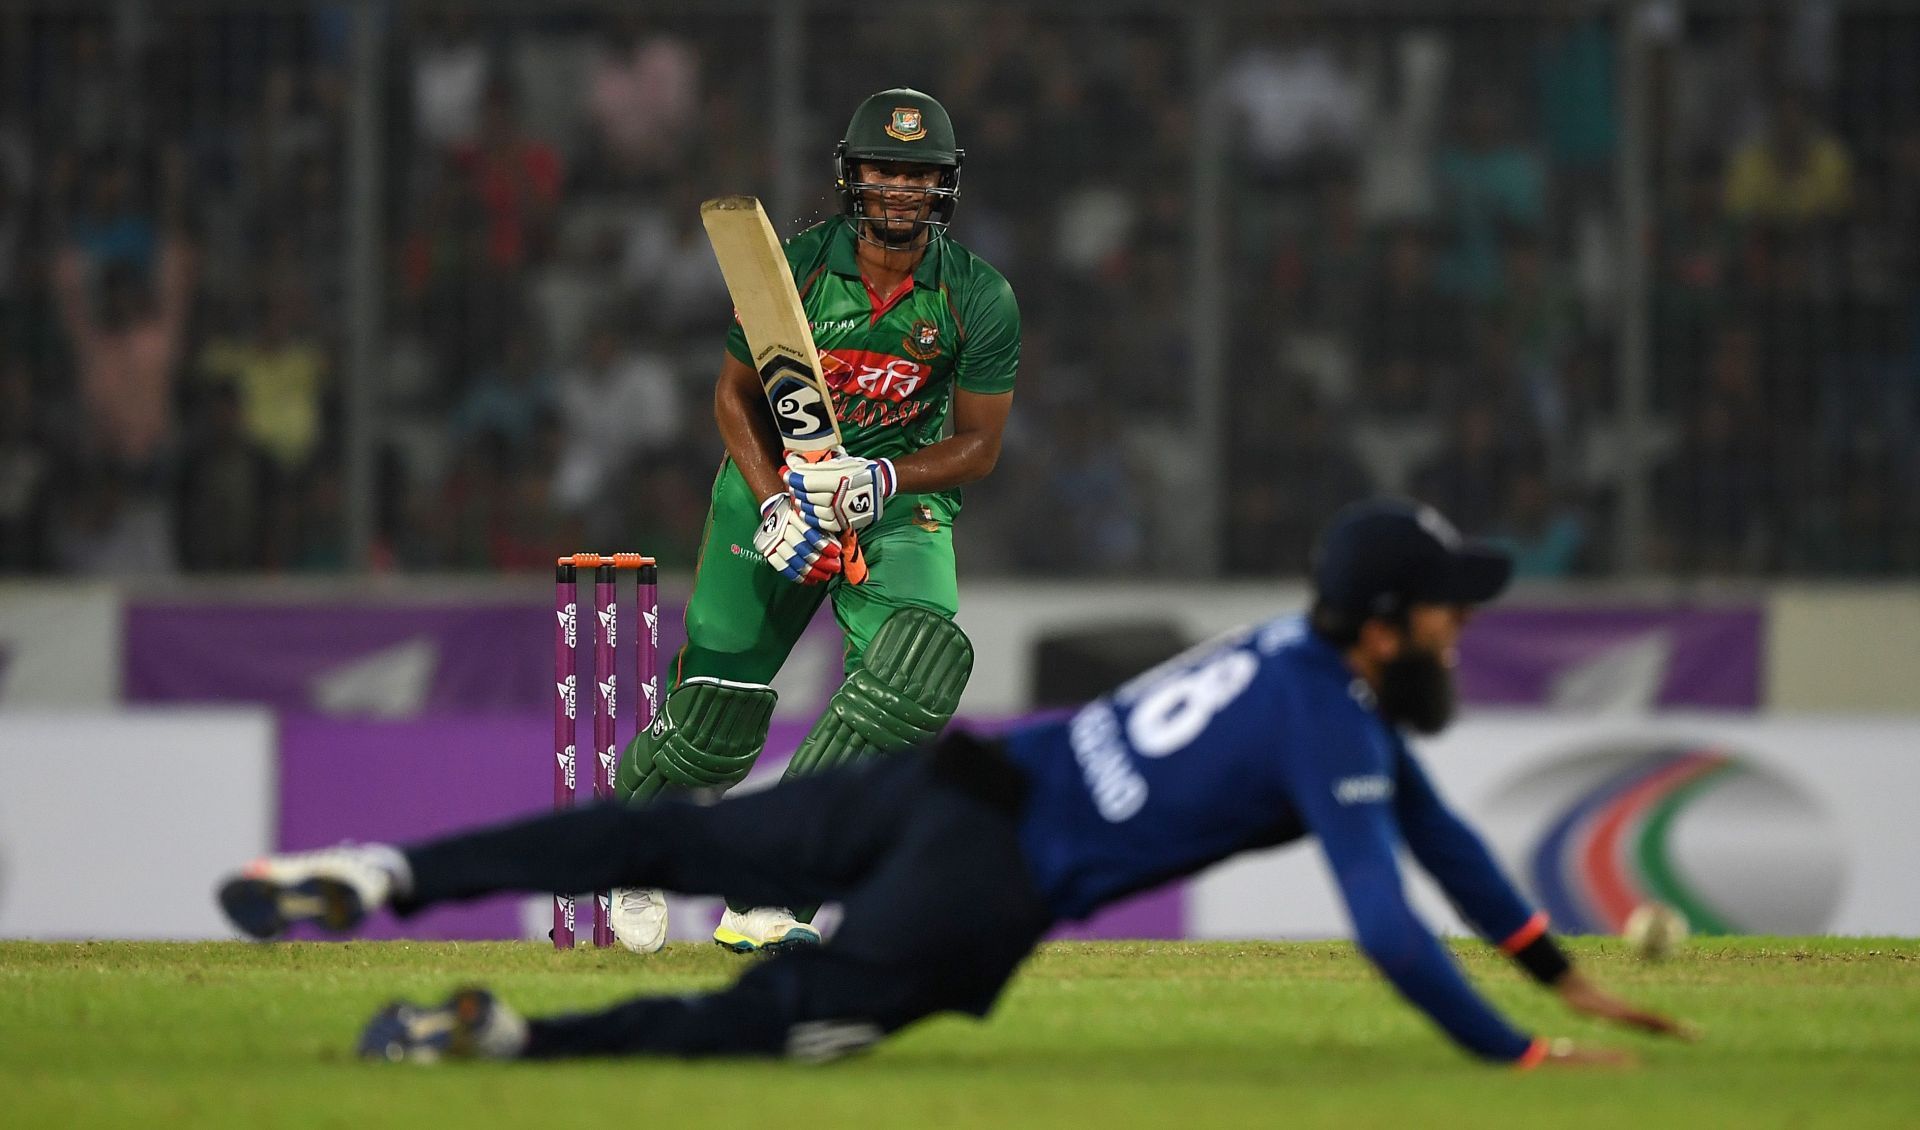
point(1735, 847)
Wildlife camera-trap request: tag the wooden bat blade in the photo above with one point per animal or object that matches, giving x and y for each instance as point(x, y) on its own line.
point(778, 336)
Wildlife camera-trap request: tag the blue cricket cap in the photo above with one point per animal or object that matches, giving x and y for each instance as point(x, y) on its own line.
point(1377, 557)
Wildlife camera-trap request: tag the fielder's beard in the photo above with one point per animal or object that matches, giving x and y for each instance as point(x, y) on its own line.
point(1416, 691)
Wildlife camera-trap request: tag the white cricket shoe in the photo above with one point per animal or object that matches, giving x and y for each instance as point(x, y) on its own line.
point(640, 918)
point(763, 928)
point(334, 887)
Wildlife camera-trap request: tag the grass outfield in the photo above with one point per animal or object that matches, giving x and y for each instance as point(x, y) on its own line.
point(1798, 1033)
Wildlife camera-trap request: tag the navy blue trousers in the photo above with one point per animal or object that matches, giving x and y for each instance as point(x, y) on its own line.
point(939, 907)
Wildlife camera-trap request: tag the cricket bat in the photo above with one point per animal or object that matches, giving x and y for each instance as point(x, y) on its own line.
point(779, 338)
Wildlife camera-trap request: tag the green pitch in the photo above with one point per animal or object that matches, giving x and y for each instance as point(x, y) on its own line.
point(1798, 1033)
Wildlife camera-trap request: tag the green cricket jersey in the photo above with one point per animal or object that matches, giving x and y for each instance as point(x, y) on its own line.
point(893, 365)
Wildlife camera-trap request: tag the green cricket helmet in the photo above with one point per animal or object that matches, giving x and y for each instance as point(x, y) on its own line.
point(905, 125)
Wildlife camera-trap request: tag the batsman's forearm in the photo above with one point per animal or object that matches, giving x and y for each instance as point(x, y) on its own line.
point(752, 443)
point(954, 461)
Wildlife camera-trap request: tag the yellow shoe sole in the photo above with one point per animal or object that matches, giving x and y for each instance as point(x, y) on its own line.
point(739, 943)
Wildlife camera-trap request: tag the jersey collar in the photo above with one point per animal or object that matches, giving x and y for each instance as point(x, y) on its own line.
point(1327, 658)
point(842, 260)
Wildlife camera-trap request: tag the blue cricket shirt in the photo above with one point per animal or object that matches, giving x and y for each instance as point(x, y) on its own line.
point(1251, 741)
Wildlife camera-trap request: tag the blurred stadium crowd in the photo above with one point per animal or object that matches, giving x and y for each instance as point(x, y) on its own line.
point(1423, 279)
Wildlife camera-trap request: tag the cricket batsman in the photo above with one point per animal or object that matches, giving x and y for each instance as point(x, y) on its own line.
point(916, 335)
point(1291, 728)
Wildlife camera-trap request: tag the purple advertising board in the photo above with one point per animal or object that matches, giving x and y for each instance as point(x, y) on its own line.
point(1615, 658)
point(405, 721)
point(422, 658)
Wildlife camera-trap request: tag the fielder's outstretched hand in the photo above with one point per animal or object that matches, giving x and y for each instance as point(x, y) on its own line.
point(1589, 999)
point(794, 547)
point(1566, 1053)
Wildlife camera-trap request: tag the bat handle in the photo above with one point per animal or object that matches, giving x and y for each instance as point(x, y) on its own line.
point(853, 563)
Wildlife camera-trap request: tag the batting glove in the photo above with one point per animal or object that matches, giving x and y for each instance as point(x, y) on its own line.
point(794, 547)
point(843, 493)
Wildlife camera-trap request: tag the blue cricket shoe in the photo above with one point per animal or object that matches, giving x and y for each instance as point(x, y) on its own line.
point(470, 1024)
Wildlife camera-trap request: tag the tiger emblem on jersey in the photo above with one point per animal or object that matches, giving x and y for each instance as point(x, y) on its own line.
point(922, 341)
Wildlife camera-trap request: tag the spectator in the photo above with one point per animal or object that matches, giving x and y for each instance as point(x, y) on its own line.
point(1490, 181)
point(85, 102)
point(451, 67)
point(1796, 172)
point(510, 399)
point(617, 406)
point(1319, 271)
point(306, 253)
point(1719, 490)
point(1720, 77)
point(1296, 102)
point(108, 524)
point(643, 90)
point(282, 375)
point(1537, 303)
point(666, 259)
point(1547, 539)
point(464, 515)
point(1406, 327)
point(526, 526)
point(516, 179)
point(27, 476)
point(288, 132)
point(1722, 486)
point(1574, 69)
point(318, 541)
point(14, 229)
point(1088, 506)
point(126, 352)
point(445, 272)
point(111, 225)
point(1404, 105)
point(230, 504)
point(1470, 475)
point(1282, 488)
point(1694, 253)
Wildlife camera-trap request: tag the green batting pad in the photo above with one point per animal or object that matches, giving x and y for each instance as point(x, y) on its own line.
point(709, 733)
point(903, 695)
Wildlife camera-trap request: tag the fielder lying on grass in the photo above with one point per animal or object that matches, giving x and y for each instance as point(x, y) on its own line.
point(1287, 729)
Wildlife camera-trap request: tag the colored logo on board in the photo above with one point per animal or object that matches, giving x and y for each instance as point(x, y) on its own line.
point(907, 124)
point(1735, 847)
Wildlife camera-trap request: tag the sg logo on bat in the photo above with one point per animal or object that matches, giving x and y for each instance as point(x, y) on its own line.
point(800, 412)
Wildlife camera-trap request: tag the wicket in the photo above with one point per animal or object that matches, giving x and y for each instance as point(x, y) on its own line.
point(566, 674)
